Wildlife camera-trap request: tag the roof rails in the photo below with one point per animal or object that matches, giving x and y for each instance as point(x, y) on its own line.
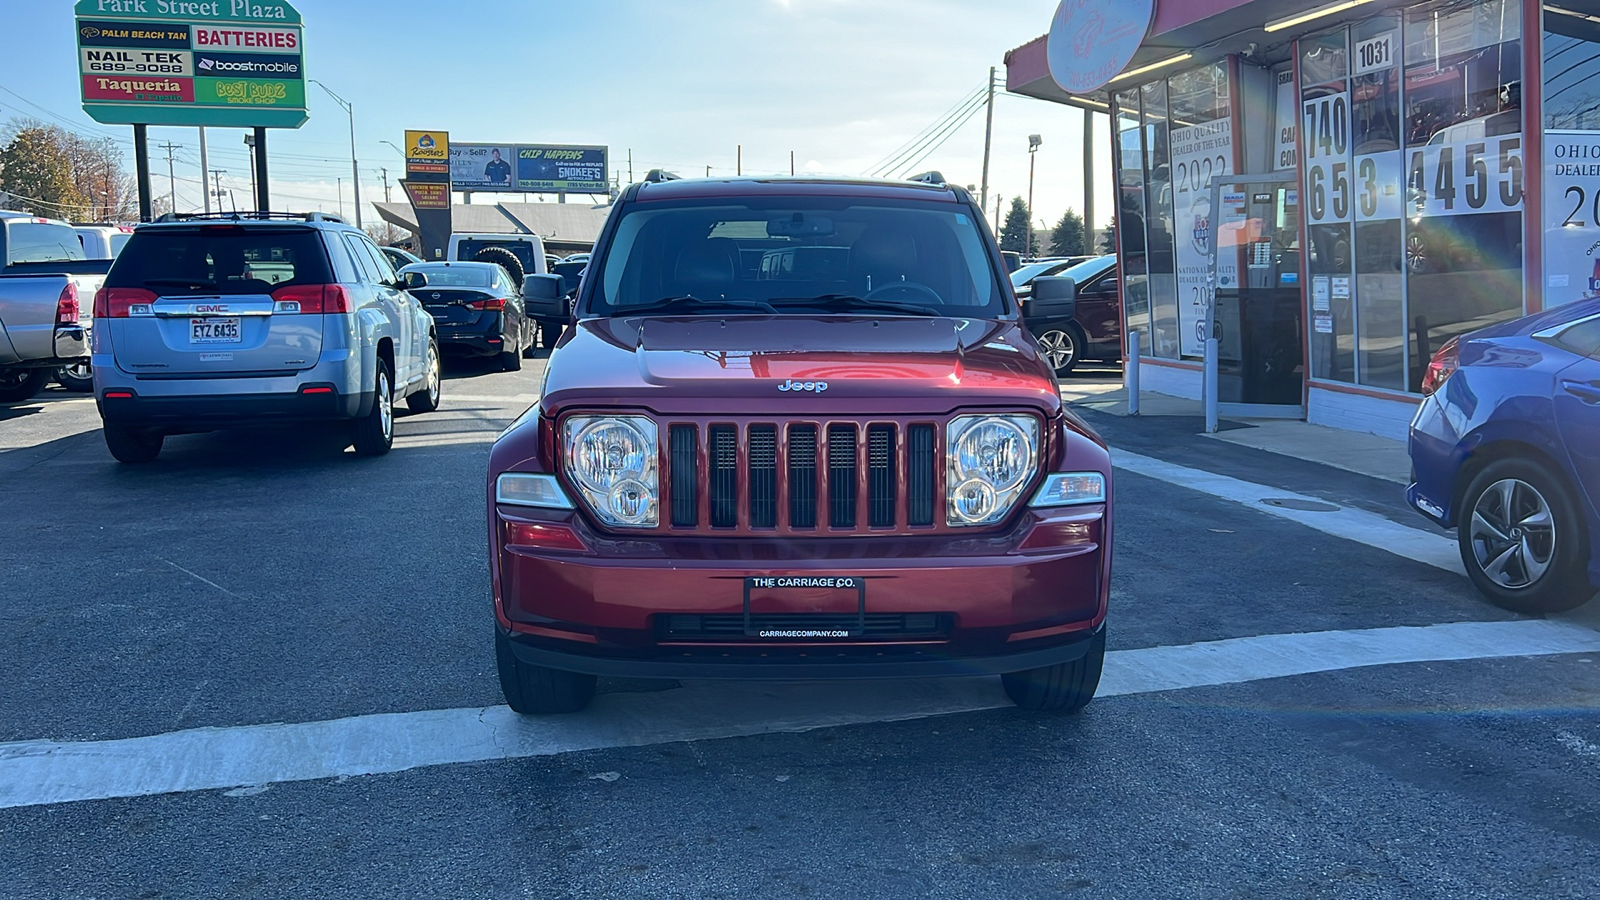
point(656, 176)
point(259, 216)
point(931, 177)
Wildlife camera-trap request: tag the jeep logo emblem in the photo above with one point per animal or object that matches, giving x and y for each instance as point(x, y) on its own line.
point(815, 387)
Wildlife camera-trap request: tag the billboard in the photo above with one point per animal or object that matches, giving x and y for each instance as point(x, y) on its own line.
point(483, 167)
point(428, 151)
point(234, 64)
point(530, 168)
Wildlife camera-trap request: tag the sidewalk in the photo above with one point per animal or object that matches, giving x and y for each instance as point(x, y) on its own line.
point(1364, 454)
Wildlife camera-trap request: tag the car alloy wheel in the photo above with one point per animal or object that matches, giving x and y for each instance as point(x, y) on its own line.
point(1513, 534)
point(1060, 348)
point(1416, 254)
point(385, 401)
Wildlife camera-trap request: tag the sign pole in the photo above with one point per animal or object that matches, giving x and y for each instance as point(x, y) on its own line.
point(205, 166)
point(262, 203)
point(141, 167)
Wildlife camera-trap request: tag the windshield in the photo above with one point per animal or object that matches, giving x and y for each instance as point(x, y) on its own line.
point(220, 260)
point(802, 258)
point(522, 250)
point(1086, 270)
point(454, 276)
point(28, 242)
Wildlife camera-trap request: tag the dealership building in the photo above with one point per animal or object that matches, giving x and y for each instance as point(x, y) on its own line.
point(1334, 190)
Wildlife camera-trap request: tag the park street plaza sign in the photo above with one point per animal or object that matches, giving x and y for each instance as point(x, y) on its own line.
point(1092, 41)
point(227, 63)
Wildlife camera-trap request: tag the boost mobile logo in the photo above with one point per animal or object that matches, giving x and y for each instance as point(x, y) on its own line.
point(815, 387)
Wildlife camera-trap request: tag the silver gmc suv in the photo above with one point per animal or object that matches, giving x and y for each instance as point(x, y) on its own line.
point(213, 321)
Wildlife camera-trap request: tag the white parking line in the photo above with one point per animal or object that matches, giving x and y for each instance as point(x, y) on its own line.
point(40, 772)
point(1351, 524)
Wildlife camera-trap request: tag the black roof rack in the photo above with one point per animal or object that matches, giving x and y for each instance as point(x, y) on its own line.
point(656, 176)
point(250, 215)
point(931, 177)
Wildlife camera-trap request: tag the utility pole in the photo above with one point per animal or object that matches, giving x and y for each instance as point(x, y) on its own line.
point(738, 160)
point(172, 181)
point(791, 162)
point(205, 164)
point(250, 141)
point(1033, 149)
point(340, 188)
point(988, 135)
point(997, 216)
point(216, 176)
point(630, 165)
point(1088, 181)
point(385, 170)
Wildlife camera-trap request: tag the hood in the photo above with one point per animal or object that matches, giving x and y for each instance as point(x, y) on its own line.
point(795, 364)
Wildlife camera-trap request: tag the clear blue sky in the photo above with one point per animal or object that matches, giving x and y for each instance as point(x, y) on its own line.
point(843, 83)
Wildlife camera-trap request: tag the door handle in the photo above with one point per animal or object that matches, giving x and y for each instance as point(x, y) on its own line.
point(1587, 391)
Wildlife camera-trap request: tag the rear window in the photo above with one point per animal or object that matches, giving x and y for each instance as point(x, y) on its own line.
point(521, 249)
point(454, 276)
point(28, 242)
point(223, 260)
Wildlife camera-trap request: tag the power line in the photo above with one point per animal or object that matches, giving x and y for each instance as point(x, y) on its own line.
point(936, 139)
point(894, 159)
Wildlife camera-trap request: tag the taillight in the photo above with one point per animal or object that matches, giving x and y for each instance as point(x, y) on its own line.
point(489, 303)
point(115, 303)
point(67, 305)
point(1441, 367)
point(312, 299)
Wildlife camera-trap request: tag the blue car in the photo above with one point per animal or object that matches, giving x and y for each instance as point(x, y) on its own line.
point(1506, 450)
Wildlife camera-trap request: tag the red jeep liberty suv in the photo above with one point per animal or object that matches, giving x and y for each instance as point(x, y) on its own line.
point(797, 430)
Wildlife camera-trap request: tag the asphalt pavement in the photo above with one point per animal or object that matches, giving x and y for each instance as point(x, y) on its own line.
point(262, 577)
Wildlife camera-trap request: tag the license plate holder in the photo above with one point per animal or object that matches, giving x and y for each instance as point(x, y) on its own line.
point(857, 628)
point(215, 330)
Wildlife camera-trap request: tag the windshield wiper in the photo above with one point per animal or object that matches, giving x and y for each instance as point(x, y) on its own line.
point(689, 302)
point(852, 302)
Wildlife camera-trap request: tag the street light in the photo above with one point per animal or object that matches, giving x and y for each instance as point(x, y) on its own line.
point(1033, 147)
point(355, 170)
point(250, 141)
point(396, 148)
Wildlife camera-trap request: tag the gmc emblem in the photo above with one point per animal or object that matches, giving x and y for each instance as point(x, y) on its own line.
point(211, 308)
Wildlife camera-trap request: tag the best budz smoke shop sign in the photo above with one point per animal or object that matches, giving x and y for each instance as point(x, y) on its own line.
point(227, 63)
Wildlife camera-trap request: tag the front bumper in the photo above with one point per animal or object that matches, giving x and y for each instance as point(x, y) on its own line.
point(607, 611)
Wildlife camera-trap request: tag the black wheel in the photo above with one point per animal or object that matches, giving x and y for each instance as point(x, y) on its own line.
point(535, 690)
point(507, 261)
point(511, 360)
point(133, 445)
point(374, 433)
point(1521, 539)
point(427, 399)
point(17, 385)
point(1063, 347)
point(1066, 687)
point(77, 378)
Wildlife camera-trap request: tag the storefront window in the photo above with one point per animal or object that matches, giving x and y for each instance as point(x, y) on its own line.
point(1464, 171)
point(1130, 217)
point(1162, 276)
point(1377, 208)
point(1325, 108)
point(1571, 154)
point(1202, 151)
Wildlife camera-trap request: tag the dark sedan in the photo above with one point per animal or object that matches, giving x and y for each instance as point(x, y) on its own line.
point(477, 310)
point(1506, 449)
point(1094, 331)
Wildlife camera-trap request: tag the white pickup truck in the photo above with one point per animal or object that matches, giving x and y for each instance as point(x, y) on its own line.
point(47, 290)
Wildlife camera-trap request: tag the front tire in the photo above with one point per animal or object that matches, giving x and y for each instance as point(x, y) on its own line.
point(1064, 687)
point(427, 399)
point(77, 378)
point(1521, 539)
point(18, 385)
point(536, 690)
point(373, 433)
point(133, 445)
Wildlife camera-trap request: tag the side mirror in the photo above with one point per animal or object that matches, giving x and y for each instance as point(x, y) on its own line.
point(548, 288)
point(413, 280)
point(1055, 296)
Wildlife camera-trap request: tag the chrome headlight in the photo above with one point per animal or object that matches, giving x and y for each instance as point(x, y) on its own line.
point(613, 461)
point(988, 461)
